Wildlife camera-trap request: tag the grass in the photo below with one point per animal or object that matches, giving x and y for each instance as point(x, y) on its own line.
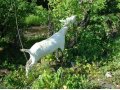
point(51, 74)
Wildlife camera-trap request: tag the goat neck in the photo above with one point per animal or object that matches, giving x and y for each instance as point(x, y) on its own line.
point(63, 30)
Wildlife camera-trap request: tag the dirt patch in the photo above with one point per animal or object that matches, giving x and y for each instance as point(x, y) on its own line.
point(36, 30)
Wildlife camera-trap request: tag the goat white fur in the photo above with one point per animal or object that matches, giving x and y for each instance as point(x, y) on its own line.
point(69, 20)
point(40, 49)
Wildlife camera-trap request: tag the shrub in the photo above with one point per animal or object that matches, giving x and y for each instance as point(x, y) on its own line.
point(39, 17)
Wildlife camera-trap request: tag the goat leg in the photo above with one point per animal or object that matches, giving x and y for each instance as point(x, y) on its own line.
point(57, 55)
point(28, 66)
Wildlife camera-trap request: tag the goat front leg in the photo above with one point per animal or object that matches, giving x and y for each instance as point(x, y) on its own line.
point(61, 56)
point(57, 55)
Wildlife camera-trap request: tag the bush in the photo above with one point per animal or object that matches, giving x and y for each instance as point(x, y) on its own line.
point(60, 79)
point(39, 17)
point(7, 16)
point(89, 45)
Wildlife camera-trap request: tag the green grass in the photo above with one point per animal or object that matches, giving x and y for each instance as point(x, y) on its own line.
point(50, 74)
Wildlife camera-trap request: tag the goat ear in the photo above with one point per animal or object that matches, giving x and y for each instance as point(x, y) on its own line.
point(62, 21)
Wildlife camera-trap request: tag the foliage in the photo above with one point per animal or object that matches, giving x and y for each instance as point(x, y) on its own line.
point(48, 79)
point(92, 46)
point(60, 79)
point(7, 20)
point(91, 40)
point(14, 80)
point(38, 18)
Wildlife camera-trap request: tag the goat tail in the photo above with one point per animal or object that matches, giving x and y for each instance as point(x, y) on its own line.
point(24, 50)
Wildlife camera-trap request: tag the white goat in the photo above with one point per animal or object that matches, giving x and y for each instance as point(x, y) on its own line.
point(40, 49)
point(69, 20)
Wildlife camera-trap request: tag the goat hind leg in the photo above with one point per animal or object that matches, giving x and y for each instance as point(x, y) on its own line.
point(28, 67)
